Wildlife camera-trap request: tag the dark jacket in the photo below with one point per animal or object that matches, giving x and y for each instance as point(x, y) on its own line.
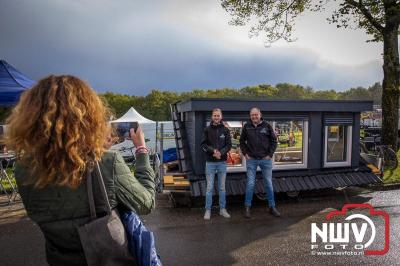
point(216, 137)
point(60, 210)
point(258, 142)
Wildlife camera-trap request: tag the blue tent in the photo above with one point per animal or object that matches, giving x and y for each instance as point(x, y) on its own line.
point(12, 84)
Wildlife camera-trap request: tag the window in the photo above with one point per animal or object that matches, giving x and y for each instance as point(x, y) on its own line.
point(292, 147)
point(291, 152)
point(337, 145)
point(235, 161)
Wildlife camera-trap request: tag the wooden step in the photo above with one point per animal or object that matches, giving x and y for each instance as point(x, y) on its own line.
point(179, 178)
point(182, 183)
point(176, 174)
point(168, 179)
point(176, 183)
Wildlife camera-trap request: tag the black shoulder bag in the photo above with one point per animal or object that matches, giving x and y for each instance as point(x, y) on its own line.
point(103, 239)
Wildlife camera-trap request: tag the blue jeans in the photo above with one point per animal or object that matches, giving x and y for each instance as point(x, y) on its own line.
point(213, 168)
point(266, 170)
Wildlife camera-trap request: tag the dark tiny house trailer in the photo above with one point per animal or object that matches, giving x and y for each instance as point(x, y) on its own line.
point(318, 142)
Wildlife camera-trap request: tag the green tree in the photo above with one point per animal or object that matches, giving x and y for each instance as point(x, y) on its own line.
point(380, 20)
point(119, 103)
point(158, 104)
point(325, 95)
point(289, 91)
point(358, 93)
point(263, 90)
point(375, 92)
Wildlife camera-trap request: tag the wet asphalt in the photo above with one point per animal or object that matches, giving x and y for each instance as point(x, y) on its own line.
point(184, 238)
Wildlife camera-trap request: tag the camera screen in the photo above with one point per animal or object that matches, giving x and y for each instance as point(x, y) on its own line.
point(122, 130)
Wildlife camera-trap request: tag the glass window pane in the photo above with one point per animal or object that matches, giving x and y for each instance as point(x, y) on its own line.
point(290, 142)
point(336, 143)
point(234, 155)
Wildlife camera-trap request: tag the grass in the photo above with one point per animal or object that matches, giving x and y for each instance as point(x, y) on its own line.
point(392, 176)
point(5, 183)
point(299, 139)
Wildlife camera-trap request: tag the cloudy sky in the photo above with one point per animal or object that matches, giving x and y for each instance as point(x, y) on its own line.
point(131, 46)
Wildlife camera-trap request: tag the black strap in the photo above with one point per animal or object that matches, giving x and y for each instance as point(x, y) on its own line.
point(102, 187)
point(89, 186)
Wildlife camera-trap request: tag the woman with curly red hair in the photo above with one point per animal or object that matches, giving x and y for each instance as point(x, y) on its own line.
point(57, 129)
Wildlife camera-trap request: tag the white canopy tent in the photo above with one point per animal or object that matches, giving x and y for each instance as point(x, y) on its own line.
point(149, 128)
point(133, 116)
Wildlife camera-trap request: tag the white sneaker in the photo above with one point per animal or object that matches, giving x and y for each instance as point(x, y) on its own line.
point(207, 215)
point(224, 213)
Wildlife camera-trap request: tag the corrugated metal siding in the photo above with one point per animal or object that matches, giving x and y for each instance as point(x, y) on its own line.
point(237, 186)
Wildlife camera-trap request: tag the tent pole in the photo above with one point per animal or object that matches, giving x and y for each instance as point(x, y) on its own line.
point(156, 147)
point(162, 154)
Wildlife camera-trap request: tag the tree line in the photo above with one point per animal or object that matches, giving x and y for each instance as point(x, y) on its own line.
point(156, 104)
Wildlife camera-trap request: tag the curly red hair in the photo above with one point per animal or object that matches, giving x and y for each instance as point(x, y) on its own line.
point(57, 128)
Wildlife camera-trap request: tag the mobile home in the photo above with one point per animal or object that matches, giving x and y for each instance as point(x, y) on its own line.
point(318, 142)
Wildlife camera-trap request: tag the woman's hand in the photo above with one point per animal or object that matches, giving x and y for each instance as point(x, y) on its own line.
point(137, 137)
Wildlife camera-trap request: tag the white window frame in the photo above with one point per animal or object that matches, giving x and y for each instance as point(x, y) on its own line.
point(305, 140)
point(348, 147)
point(304, 150)
point(237, 169)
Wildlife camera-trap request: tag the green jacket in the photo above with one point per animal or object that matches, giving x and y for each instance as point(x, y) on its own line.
point(60, 210)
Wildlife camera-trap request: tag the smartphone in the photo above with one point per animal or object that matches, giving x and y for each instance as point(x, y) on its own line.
point(134, 125)
point(123, 129)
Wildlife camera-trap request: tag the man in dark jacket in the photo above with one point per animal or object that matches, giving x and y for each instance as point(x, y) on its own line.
point(216, 143)
point(258, 143)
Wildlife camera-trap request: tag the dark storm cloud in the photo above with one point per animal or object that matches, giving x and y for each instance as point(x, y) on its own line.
point(132, 47)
